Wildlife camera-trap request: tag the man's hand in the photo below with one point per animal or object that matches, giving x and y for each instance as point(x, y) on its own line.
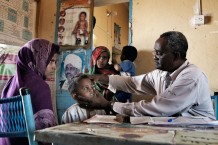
point(95, 102)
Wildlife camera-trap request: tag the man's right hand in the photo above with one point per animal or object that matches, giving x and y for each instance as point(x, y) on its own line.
point(100, 78)
point(95, 102)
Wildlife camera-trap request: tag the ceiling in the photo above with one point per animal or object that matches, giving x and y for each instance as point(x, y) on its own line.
point(98, 3)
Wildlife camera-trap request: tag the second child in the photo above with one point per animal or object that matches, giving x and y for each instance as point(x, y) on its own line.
point(126, 68)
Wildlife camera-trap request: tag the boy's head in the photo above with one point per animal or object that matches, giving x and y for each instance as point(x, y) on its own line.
point(82, 16)
point(128, 53)
point(81, 86)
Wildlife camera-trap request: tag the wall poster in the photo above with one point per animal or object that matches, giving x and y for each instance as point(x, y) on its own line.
point(73, 34)
point(72, 63)
point(74, 23)
point(117, 35)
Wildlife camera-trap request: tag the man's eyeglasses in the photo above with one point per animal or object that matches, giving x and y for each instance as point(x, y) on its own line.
point(158, 54)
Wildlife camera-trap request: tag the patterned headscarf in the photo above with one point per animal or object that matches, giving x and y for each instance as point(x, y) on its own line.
point(41, 55)
point(108, 69)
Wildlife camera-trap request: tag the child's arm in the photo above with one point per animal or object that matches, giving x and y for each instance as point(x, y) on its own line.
point(126, 67)
point(117, 67)
point(76, 27)
point(86, 24)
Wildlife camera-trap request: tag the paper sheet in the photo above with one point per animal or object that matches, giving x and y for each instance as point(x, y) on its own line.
point(102, 119)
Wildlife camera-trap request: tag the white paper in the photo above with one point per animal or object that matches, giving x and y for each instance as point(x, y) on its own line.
point(140, 120)
point(102, 119)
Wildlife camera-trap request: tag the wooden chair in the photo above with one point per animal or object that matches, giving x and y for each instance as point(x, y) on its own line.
point(215, 103)
point(16, 117)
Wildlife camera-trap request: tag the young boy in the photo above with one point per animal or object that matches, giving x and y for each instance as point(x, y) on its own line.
point(126, 68)
point(82, 86)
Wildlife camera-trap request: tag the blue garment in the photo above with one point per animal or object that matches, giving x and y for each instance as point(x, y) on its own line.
point(128, 69)
point(123, 96)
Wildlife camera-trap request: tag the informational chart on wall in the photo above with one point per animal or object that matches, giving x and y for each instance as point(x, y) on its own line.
point(17, 21)
point(73, 34)
point(74, 23)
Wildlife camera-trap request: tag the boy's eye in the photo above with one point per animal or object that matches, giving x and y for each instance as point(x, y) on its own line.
point(86, 89)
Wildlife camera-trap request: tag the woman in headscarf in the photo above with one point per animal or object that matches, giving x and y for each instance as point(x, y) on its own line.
point(100, 61)
point(100, 65)
point(36, 62)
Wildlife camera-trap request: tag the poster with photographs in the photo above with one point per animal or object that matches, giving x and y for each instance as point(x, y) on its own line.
point(75, 23)
point(71, 63)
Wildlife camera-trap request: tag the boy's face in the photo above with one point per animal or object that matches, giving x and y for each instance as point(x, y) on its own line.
point(85, 88)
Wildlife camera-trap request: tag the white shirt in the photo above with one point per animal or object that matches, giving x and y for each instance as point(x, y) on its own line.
point(65, 85)
point(188, 93)
point(76, 114)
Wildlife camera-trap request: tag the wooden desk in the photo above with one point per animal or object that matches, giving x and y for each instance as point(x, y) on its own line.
point(125, 134)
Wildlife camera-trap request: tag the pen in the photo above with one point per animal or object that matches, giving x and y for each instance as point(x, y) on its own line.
point(172, 119)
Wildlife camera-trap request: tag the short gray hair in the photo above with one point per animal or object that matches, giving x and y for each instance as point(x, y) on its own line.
point(177, 42)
